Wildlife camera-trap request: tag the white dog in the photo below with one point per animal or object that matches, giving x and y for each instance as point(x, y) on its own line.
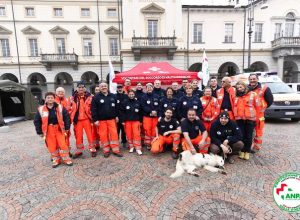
point(188, 162)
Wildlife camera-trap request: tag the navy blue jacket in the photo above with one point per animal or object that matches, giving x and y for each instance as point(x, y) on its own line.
point(177, 94)
point(197, 92)
point(139, 94)
point(131, 110)
point(185, 103)
point(214, 91)
point(182, 90)
point(160, 92)
point(120, 98)
point(104, 107)
point(168, 103)
point(219, 133)
point(150, 102)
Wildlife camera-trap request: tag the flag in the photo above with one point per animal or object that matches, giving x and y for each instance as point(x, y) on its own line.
point(204, 74)
point(112, 85)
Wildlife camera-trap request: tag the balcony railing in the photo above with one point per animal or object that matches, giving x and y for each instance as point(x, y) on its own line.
point(69, 58)
point(286, 42)
point(153, 42)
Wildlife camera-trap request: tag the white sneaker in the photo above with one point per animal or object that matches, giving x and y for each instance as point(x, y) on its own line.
point(139, 152)
point(131, 150)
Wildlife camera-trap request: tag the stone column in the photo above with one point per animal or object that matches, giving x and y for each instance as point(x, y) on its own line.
point(280, 62)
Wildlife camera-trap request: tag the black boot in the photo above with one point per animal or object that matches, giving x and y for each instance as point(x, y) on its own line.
point(76, 155)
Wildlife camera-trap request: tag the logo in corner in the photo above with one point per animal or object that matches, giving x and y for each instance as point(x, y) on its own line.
point(286, 192)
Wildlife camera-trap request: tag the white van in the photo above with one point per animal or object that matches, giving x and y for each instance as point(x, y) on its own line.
point(295, 86)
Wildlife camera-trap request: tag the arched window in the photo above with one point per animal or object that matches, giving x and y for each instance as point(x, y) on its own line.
point(289, 24)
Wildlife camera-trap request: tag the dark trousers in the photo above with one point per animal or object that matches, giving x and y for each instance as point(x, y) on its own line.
point(123, 135)
point(246, 127)
point(236, 147)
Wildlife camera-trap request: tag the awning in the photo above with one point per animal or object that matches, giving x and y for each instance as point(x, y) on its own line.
point(148, 72)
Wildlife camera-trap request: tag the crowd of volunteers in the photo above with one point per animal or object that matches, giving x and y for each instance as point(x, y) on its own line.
point(224, 120)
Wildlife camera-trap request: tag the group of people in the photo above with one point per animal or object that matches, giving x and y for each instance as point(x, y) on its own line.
point(215, 119)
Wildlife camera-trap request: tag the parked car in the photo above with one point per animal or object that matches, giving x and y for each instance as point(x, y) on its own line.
point(286, 101)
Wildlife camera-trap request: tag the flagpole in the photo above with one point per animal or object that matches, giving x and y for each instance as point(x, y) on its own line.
point(112, 85)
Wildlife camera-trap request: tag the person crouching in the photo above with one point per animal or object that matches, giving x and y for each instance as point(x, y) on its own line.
point(226, 137)
point(167, 132)
point(195, 135)
point(52, 122)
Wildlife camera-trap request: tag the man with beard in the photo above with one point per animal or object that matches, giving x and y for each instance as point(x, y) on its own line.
point(214, 86)
point(265, 97)
point(195, 135)
point(167, 132)
point(225, 137)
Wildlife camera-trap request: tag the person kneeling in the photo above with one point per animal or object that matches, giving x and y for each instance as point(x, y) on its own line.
point(167, 132)
point(195, 135)
point(226, 137)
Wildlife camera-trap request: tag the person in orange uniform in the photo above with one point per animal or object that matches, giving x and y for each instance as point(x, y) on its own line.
point(211, 108)
point(226, 96)
point(82, 119)
point(52, 123)
point(266, 99)
point(96, 137)
point(131, 111)
point(150, 105)
point(65, 102)
point(105, 116)
point(195, 135)
point(167, 132)
point(246, 107)
point(127, 85)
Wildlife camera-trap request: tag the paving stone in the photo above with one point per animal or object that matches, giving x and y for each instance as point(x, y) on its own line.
point(136, 187)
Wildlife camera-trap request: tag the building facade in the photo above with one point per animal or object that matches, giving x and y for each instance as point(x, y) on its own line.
point(46, 44)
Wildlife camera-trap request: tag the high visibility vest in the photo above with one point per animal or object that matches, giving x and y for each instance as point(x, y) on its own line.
point(75, 107)
point(127, 88)
point(220, 96)
point(263, 104)
point(65, 102)
point(43, 110)
point(211, 108)
point(246, 107)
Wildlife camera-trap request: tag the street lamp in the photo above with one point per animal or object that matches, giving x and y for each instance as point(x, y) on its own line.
point(250, 17)
point(250, 24)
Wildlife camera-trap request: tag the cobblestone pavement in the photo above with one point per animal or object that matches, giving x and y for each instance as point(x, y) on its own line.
point(139, 187)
